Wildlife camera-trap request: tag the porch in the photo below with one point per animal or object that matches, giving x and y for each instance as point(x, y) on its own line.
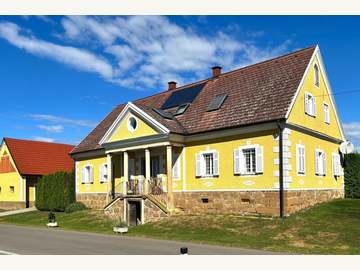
point(142, 171)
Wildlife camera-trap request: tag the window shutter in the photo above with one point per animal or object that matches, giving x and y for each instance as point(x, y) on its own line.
point(313, 106)
point(216, 163)
point(324, 164)
point(307, 104)
point(334, 164)
point(91, 176)
point(176, 167)
point(101, 177)
point(237, 153)
point(298, 162)
point(242, 162)
point(259, 159)
point(317, 162)
point(83, 180)
point(198, 165)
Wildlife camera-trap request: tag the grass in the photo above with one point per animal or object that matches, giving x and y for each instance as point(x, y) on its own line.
point(330, 228)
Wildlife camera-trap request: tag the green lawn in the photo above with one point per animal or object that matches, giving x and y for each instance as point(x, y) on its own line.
point(330, 228)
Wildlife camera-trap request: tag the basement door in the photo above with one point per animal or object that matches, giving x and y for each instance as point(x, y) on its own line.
point(134, 213)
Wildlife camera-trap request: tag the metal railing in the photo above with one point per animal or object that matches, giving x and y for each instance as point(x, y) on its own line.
point(137, 186)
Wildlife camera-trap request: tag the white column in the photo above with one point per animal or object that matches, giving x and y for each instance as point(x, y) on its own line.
point(170, 197)
point(147, 170)
point(126, 172)
point(109, 176)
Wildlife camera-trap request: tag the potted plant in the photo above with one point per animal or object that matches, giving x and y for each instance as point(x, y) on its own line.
point(120, 226)
point(52, 220)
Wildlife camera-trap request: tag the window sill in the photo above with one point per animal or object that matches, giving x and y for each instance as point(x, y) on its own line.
point(204, 177)
point(249, 174)
point(87, 183)
point(328, 123)
point(300, 174)
point(311, 115)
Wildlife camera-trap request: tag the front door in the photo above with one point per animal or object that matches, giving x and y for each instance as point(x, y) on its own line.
point(134, 213)
point(30, 193)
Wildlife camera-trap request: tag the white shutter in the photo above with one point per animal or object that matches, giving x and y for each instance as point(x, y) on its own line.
point(298, 159)
point(237, 153)
point(242, 163)
point(306, 99)
point(83, 180)
point(216, 163)
point(317, 162)
point(324, 163)
point(176, 167)
point(198, 165)
point(91, 177)
point(101, 174)
point(313, 106)
point(259, 159)
point(334, 164)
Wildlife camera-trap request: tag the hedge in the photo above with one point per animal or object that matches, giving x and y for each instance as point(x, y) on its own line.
point(55, 191)
point(352, 175)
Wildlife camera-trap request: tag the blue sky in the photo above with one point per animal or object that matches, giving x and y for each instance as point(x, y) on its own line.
point(61, 75)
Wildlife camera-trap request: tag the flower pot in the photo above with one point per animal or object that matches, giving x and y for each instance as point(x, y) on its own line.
point(120, 230)
point(52, 224)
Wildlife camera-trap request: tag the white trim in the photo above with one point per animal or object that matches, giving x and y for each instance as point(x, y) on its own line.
point(313, 107)
point(101, 178)
point(131, 107)
point(82, 176)
point(262, 189)
point(203, 176)
point(317, 54)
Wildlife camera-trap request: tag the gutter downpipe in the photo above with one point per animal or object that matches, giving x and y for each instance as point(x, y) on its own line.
point(281, 126)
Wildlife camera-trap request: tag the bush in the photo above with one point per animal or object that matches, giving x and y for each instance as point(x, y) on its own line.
point(55, 191)
point(352, 175)
point(75, 206)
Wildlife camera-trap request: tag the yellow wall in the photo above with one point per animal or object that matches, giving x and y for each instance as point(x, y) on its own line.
point(97, 186)
point(310, 180)
point(122, 132)
point(9, 179)
point(297, 114)
point(227, 179)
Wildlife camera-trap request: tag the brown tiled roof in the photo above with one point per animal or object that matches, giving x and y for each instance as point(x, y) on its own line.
point(40, 158)
point(257, 93)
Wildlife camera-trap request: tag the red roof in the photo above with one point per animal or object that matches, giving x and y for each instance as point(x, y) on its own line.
point(40, 158)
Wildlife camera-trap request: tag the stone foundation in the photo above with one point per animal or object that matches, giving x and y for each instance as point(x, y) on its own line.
point(152, 212)
point(12, 205)
point(251, 202)
point(92, 200)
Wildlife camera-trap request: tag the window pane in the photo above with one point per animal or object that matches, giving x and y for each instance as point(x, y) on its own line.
point(250, 163)
point(209, 162)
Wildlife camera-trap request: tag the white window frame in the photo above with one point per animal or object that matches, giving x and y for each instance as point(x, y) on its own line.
point(102, 174)
point(310, 110)
point(259, 160)
point(203, 164)
point(91, 173)
point(298, 160)
point(326, 113)
point(321, 173)
point(317, 76)
point(176, 169)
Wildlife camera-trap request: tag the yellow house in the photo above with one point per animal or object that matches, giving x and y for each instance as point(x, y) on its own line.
point(262, 139)
point(22, 163)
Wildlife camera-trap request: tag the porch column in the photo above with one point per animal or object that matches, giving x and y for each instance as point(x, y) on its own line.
point(109, 177)
point(147, 170)
point(170, 197)
point(126, 173)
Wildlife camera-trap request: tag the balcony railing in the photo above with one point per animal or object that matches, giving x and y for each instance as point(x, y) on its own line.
point(137, 186)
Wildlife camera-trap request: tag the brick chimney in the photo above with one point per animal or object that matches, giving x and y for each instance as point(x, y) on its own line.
point(216, 71)
point(172, 85)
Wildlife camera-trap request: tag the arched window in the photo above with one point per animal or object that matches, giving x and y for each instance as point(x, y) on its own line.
point(316, 75)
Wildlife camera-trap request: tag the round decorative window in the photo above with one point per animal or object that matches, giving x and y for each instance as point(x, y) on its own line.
point(132, 124)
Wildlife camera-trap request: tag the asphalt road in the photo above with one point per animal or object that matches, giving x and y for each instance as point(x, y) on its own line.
point(38, 241)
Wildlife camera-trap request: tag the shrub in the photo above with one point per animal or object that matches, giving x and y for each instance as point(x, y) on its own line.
point(55, 191)
point(352, 175)
point(51, 217)
point(75, 206)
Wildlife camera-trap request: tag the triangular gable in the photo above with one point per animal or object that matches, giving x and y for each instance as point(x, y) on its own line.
point(7, 164)
point(146, 125)
point(293, 114)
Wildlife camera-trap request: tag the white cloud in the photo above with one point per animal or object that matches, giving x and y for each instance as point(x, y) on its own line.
point(143, 51)
point(352, 131)
point(74, 57)
point(43, 139)
point(62, 120)
point(52, 128)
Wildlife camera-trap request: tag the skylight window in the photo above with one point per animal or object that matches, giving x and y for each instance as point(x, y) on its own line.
point(217, 102)
point(181, 109)
point(164, 114)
